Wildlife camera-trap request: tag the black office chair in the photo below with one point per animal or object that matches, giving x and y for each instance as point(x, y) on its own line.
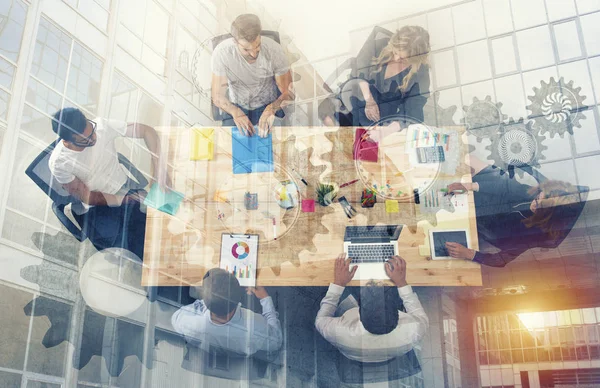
point(354, 372)
point(39, 172)
point(217, 113)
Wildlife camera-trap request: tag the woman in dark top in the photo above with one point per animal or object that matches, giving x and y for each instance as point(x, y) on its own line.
point(391, 78)
point(396, 81)
point(515, 217)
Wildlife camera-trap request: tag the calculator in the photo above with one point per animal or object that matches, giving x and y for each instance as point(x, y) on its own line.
point(433, 154)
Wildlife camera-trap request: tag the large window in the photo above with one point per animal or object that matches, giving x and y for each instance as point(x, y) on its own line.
point(63, 73)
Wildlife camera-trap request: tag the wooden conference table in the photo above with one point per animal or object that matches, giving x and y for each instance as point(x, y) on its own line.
point(179, 249)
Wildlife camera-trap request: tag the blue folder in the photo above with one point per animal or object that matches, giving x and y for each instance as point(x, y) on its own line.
point(167, 202)
point(251, 153)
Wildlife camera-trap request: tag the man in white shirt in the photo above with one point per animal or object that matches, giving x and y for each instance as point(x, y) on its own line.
point(256, 72)
point(376, 330)
point(219, 320)
point(85, 162)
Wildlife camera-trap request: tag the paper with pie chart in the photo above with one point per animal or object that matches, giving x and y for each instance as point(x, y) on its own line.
point(239, 254)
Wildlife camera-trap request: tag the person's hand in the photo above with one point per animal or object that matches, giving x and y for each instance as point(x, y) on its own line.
point(459, 188)
point(243, 123)
point(459, 251)
point(258, 291)
point(395, 269)
point(265, 123)
point(342, 274)
point(372, 110)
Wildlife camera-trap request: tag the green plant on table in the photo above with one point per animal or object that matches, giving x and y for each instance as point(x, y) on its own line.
point(326, 193)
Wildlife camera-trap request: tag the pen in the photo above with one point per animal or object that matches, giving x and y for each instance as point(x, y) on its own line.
point(274, 229)
point(300, 177)
point(349, 183)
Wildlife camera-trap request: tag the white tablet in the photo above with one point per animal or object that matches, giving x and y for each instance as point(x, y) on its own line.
point(439, 238)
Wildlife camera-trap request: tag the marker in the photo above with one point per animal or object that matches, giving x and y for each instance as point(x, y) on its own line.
point(274, 229)
point(300, 177)
point(349, 183)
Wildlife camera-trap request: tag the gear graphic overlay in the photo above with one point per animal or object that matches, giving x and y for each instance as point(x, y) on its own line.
point(556, 107)
point(517, 148)
point(483, 118)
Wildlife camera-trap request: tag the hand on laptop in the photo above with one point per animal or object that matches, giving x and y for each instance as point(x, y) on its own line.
point(395, 269)
point(342, 274)
point(266, 121)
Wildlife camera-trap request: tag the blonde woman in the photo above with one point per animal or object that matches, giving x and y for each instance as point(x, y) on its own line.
point(396, 82)
point(514, 217)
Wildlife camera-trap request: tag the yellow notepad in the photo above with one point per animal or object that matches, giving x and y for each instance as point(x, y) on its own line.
point(391, 206)
point(201, 143)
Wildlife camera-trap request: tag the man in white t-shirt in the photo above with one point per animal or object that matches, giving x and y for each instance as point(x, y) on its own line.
point(256, 72)
point(85, 162)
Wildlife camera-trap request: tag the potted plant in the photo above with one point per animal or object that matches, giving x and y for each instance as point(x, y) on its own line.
point(326, 193)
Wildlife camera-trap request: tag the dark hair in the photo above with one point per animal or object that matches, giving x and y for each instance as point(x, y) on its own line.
point(378, 308)
point(68, 122)
point(246, 27)
point(221, 292)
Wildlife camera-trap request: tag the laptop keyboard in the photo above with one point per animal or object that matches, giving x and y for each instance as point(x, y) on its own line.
point(370, 253)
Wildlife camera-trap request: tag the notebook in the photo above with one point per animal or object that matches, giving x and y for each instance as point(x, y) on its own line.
point(251, 153)
point(167, 202)
point(239, 255)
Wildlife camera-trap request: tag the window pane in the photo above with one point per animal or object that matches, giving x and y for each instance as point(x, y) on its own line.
point(9, 379)
point(483, 359)
point(4, 101)
point(23, 194)
point(20, 229)
point(51, 55)
point(503, 340)
point(589, 316)
point(517, 356)
point(124, 97)
point(582, 353)
point(37, 124)
point(592, 334)
point(556, 354)
point(156, 28)
point(7, 72)
point(38, 384)
point(84, 78)
point(12, 16)
point(49, 334)
point(515, 339)
point(42, 97)
point(128, 353)
point(542, 355)
point(529, 355)
point(15, 326)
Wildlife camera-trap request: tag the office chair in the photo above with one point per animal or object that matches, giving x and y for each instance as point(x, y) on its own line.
point(355, 372)
point(217, 113)
point(40, 174)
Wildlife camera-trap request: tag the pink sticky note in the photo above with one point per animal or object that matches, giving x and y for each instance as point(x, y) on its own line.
point(308, 205)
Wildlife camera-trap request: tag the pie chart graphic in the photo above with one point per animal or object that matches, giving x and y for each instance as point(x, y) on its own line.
point(240, 250)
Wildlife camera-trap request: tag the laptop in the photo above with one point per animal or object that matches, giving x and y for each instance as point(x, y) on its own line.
point(370, 247)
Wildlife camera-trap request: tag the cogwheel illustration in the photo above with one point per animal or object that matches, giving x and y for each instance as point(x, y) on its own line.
point(63, 282)
point(436, 115)
point(483, 118)
point(518, 148)
point(556, 107)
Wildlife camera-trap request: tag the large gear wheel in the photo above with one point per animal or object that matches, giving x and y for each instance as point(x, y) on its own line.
point(436, 115)
point(517, 148)
point(483, 118)
point(556, 107)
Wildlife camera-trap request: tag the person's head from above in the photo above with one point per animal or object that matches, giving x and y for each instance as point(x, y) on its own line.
point(378, 308)
point(246, 30)
point(554, 204)
point(408, 46)
point(76, 131)
point(221, 293)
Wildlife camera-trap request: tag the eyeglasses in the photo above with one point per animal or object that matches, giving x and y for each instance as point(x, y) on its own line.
point(87, 140)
